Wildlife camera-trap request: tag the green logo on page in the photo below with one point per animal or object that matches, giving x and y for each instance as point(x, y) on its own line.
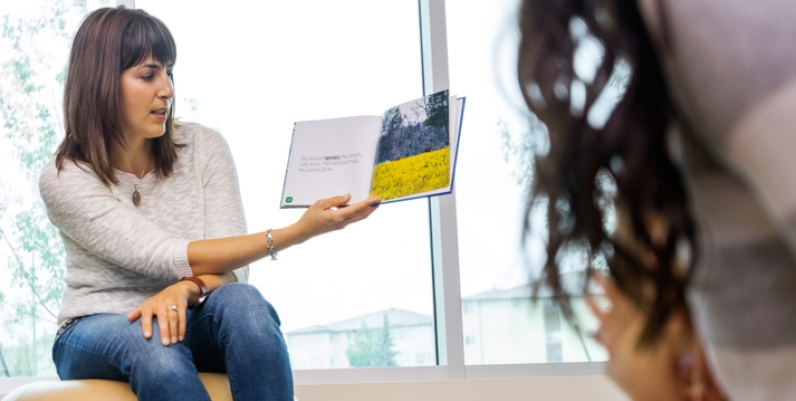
point(289, 199)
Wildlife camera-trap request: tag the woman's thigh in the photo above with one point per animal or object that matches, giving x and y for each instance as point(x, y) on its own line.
point(107, 346)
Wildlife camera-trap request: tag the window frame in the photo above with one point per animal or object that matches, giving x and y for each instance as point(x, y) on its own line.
point(445, 269)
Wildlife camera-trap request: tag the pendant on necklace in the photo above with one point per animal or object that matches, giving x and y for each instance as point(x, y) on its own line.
point(136, 196)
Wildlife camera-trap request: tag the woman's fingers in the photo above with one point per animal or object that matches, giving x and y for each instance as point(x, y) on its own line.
point(334, 201)
point(163, 325)
point(328, 214)
point(174, 322)
point(135, 314)
point(146, 320)
point(169, 307)
point(182, 323)
point(360, 211)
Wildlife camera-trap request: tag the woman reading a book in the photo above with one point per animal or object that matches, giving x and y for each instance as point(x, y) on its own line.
point(706, 228)
point(151, 218)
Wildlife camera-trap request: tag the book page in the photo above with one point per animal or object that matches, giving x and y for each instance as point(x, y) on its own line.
point(413, 154)
point(329, 158)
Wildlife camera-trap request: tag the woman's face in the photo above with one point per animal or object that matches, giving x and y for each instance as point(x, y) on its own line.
point(147, 94)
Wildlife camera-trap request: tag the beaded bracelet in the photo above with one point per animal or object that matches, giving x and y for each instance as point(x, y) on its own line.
point(271, 250)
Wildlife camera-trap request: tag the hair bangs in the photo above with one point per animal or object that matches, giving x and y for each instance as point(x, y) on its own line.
point(146, 36)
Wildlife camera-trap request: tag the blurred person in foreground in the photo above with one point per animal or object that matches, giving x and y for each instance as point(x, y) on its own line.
point(696, 162)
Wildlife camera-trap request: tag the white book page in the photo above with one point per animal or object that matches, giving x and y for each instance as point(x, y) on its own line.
point(329, 158)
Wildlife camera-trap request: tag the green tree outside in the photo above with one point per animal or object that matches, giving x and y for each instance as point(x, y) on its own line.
point(372, 347)
point(35, 38)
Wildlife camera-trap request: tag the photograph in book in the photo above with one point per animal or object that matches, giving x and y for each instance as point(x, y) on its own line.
point(414, 149)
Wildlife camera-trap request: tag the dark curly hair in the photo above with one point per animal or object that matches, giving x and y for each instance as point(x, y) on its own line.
point(631, 147)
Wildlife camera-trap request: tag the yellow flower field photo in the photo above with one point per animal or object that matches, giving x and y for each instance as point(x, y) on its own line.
point(411, 175)
point(413, 155)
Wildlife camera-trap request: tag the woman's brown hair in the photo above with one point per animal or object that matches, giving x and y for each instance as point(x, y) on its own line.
point(631, 148)
point(109, 41)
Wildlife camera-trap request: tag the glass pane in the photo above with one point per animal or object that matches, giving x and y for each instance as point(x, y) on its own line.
point(35, 38)
point(500, 323)
point(358, 297)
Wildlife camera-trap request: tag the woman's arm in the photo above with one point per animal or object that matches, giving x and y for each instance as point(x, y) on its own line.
point(84, 210)
point(226, 254)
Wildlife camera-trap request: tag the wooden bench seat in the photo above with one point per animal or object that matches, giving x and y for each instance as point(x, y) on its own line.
point(217, 386)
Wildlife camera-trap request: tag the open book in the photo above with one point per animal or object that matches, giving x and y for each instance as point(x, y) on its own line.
point(408, 152)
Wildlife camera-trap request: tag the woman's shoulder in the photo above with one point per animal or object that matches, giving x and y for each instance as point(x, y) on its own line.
point(192, 133)
point(70, 177)
point(69, 170)
point(204, 142)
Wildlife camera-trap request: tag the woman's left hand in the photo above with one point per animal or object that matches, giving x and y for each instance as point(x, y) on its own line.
point(169, 308)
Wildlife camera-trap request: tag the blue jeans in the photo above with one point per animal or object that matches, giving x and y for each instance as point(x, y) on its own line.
point(235, 331)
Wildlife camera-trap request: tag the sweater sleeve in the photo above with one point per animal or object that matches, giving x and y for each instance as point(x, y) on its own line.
point(88, 212)
point(761, 147)
point(224, 215)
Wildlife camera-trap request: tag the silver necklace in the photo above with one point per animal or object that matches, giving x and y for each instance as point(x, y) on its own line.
point(136, 194)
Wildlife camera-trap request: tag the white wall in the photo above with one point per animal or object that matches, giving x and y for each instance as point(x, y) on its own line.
point(577, 388)
point(581, 388)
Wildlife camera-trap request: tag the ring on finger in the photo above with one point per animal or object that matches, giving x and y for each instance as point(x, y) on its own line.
point(173, 307)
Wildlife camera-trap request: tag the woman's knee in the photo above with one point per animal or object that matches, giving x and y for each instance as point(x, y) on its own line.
point(238, 293)
point(242, 298)
point(244, 303)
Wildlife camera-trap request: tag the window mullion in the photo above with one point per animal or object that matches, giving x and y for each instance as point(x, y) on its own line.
point(442, 209)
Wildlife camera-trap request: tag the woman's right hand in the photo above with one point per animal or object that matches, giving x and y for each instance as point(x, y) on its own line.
point(333, 214)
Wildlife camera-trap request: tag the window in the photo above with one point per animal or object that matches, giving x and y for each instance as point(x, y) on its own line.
point(491, 176)
point(552, 328)
point(239, 72)
point(35, 37)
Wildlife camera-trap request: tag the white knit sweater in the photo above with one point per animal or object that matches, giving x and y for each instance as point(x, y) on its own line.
point(117, 254)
